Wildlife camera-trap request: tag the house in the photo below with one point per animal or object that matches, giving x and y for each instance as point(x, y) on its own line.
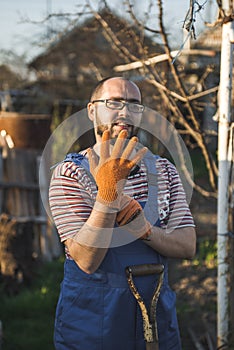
point(70, 67)
point(9, 79)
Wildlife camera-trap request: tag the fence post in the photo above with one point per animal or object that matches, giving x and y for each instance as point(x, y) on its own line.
point(44, 241)
point(225, 90)
point(49, 237)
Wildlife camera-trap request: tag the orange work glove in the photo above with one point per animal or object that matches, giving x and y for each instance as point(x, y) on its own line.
point(130, 211)
point(110, 171)
point(132, 218)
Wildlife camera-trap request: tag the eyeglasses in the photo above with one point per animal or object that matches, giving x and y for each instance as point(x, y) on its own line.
point(113, 104)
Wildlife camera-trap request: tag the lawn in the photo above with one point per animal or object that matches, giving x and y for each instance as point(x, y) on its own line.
point(28, 317)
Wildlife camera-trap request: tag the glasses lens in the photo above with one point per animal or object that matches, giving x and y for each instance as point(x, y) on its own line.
point(114, 104)
point(136, 108)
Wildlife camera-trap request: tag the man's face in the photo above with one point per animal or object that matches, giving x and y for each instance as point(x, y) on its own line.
point(115, 120)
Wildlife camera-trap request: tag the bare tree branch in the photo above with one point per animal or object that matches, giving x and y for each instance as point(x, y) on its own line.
point(199, 135)
point(161, 58)
point(190, 19)
point(113, 39)
point(180, 101)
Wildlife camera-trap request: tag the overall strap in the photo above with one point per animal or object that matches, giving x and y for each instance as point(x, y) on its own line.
point(151, 209)
point(151, 206)
point(78, 159)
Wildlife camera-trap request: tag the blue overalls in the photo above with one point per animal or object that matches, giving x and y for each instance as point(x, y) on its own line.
point(98, 311)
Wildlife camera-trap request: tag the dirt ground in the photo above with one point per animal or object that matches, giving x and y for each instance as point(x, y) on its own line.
point(195, 285)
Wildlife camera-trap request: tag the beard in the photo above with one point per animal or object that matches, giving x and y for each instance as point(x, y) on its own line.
point(132, 131)
point(100, 128)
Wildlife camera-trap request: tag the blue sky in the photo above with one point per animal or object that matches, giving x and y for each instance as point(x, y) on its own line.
point(19, 36)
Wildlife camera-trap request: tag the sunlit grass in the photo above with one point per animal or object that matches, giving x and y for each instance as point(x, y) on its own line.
point(206, 253)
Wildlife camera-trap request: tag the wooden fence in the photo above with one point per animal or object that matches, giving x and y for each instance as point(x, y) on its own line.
point(20, 198)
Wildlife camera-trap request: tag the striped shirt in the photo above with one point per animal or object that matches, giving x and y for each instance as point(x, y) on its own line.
point(73, 191)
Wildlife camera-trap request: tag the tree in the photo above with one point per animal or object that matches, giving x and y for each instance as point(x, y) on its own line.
point(181, 103)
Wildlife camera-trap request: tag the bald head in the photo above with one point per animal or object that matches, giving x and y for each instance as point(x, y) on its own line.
point(109, 83)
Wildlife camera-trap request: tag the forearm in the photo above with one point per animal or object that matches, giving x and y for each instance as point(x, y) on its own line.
point(90, 244)
point(110, 170)
point(180, 243)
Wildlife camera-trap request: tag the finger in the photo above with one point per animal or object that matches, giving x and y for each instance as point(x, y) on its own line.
point(93, 160)
point(105, 146)
point(138, 156)
point(130, 147)
point(119, 144)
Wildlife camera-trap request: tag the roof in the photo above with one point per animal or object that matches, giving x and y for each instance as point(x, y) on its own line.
point(211, 38)
point(88, 42)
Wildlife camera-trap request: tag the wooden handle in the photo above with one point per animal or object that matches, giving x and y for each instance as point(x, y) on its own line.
point(151, 346)
point(145, 269)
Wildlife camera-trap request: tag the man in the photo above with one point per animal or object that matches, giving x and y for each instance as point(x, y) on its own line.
point(110, 216)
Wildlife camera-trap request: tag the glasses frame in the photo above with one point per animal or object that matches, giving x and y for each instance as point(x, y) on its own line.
point(122, 105)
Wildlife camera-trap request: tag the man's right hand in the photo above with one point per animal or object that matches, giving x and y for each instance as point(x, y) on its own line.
point(110, 171)
point(132, 217)
point(130, 209)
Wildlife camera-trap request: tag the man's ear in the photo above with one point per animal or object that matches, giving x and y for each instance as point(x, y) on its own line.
point(91, 111)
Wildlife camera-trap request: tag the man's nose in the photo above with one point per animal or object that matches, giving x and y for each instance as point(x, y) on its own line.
point(124, 112)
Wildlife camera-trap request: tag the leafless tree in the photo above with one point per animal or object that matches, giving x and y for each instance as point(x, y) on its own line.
point(183, 102)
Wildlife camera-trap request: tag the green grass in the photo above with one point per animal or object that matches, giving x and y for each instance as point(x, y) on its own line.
point(28, 317)
point(199, 165)
point(206, 253)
